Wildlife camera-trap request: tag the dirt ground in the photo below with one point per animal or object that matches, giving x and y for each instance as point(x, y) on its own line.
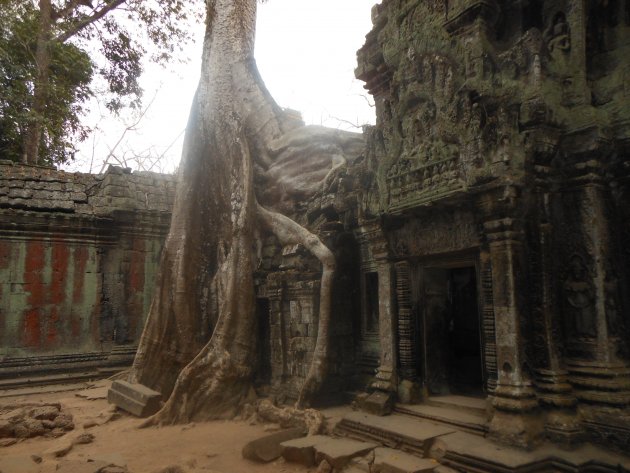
point(210, 447)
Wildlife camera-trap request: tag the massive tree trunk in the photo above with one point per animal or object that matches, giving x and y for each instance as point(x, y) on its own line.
point(205, 283)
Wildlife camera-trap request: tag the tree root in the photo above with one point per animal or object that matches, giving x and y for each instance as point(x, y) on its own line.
point(311, 420)
point(289, 232)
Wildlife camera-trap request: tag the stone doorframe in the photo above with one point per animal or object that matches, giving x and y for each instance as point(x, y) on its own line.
point(412, 363)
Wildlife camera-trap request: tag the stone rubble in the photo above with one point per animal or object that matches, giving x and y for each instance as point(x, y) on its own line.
point(33, 420)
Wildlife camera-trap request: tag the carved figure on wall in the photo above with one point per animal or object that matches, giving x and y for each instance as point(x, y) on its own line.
point(297, 358)
point(475, 143)
point(610, 288)
point(580, 296)
point(558, 35)
point(504, 132)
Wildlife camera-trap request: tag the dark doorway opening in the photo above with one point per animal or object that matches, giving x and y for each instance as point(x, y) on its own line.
point(263, 366)
point(371, 302)
point(452, 344)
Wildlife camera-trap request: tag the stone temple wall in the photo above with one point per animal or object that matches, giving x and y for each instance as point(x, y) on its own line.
point(78, 257)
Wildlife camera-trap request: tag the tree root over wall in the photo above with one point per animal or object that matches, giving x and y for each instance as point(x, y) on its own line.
point(245, 164)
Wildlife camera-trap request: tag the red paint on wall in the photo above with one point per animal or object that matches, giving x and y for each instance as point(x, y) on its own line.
point(5, 254)
point(136, 284)
point(59, 263)
point(80, 263)
point(33, 267)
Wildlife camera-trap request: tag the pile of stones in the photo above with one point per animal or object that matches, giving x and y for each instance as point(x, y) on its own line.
point(33, 420)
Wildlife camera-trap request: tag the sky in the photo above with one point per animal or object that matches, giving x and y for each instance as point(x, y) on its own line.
point(306, 54)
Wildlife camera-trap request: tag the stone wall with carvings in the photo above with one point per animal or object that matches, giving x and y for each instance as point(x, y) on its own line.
point(502, 133)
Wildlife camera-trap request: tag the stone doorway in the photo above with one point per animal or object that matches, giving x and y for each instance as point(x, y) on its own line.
point(452, 346)
point(263, 367)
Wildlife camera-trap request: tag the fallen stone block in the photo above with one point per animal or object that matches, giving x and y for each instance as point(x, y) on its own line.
point(267, 448)
point(378, 403)
point(360, 464)
point(302, 450)
point(134, 398)
point(339, 452)
point(388, 460)
point(83, 438)
point(60, 449)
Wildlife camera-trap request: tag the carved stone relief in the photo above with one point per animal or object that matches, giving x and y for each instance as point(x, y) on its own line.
point(444, 232)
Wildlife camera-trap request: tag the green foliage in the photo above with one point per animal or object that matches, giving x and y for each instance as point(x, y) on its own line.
point(70, 76)
point(114, 32)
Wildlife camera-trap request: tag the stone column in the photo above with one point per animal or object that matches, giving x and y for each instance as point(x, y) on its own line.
point(386, 375)
point(554, 390)
point(384, 383)
point(406, 325)
point(600, 376)
point(277, 332)
point(515, 419)
point(580, 92)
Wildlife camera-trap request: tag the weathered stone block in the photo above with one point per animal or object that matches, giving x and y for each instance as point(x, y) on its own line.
point(267, 448)
point(302, 450)
point(339, 452)
point(134, 398)
point(388, 460)
point(409, 392)
point(378, 403)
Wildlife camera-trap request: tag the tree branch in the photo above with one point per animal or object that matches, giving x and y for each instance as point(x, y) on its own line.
point(87, 21)
point(65, 11)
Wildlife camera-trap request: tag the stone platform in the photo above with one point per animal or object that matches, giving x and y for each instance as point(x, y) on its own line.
point(471, 452)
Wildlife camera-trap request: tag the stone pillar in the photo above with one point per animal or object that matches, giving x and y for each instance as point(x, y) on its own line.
point(488, 322)
point(578, 93)
point(384, 384)
point(406, 324)
point(551, 378)
point(600, 376)
point(386, 375)
point(277, 332)
point(515, 419)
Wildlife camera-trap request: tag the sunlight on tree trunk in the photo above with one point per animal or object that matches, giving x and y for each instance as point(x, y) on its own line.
point(205, 284)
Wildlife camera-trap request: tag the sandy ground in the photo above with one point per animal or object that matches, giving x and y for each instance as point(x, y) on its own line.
point(200, 447)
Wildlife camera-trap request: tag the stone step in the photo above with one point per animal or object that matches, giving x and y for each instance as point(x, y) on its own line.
point(338, 452)
point(468, 421)
point(395, 431)
point(474, 405)
point(136, 399)
point(268, 447)
point(388, 460)
point(455, 450)
point(61, 378)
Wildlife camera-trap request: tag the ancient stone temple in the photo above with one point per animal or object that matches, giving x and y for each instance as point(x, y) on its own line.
point(78, 256)
point(480, 234)
point(492, 211)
